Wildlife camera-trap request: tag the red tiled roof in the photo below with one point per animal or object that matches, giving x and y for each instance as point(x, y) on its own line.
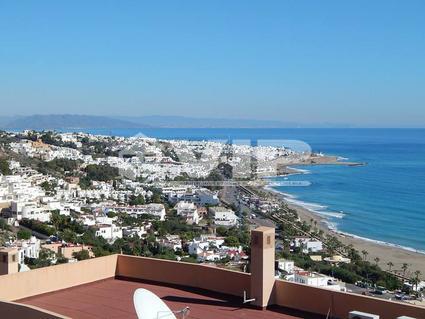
point(113, 298)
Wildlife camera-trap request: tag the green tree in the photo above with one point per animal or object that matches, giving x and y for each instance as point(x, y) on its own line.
point(44, 259)
point(365, 253)
point(416, 280)
point(81, 255)
point(61, 260)
point(69, 236)
point(231, 241)
point(48, 187)
point(4, 167)
point(24, 234)
point(4, 225)
point(404, 267)
point(377, 260)
point(137, 200)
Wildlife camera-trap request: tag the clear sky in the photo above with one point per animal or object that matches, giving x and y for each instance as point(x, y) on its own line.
point(359, 62)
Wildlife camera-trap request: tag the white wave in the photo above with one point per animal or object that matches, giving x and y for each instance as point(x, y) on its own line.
point(333, 214)
point(316, 208)
point(299, 171)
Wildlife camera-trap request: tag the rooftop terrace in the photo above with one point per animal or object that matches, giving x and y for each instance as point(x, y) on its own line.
point(113, 298)
point(103, 288)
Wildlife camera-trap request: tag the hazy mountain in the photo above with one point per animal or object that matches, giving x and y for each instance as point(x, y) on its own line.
point(194, 122)
point(4, 120)
point(66, 121)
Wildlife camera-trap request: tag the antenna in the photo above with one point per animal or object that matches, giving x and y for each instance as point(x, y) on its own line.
point(247, 300)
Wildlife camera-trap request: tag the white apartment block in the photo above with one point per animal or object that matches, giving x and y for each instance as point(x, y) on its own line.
point(109, 232)
point(157, 210)
point(189, 211)
point(223, 216)
point(318, 280)
point(308, 244)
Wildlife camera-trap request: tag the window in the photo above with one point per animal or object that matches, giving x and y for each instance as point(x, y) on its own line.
point(13, 258)
point(268, 240)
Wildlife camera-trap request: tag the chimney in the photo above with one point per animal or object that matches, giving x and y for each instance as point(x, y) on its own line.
point(262, 266)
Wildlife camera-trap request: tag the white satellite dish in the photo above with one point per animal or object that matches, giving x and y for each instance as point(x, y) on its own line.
point(150, 306)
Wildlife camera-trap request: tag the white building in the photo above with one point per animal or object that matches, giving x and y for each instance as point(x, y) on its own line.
point(198, 196)
point(285, 265)
point(35, 212)
point(189, 211)
point(157, 210)
point(318, 280)
point(223, 216)
point(309, 245)
point(28, 248)
point(171, 241)
point(136, 230)
point(109, 232)
point(204, 243)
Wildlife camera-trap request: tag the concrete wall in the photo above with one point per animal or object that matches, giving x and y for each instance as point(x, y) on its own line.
point(186, 274)
point(43, 280)
point(15, 310)
point(317, 300)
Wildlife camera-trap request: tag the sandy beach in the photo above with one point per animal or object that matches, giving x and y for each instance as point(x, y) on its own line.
point(385, 253)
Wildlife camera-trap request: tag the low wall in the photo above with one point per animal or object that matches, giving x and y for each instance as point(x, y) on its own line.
point(38, 281)
point(185, 274)
point(287, 294)
point(317, 300)
point(15, 310)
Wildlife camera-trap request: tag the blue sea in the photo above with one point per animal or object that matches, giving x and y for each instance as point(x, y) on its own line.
point(382, 201)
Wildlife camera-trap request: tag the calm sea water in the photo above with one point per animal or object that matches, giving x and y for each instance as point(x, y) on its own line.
point(383, 201)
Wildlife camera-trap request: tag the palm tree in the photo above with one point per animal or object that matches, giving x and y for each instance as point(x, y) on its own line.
point(417, 280)
point(404, 267)
point(390, 265)
point(364, 253)
point(377, 259)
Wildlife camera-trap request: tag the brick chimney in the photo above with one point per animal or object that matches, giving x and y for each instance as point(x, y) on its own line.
point(262, 266)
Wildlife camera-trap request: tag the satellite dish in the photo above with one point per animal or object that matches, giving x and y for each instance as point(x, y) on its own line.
point(150, 306)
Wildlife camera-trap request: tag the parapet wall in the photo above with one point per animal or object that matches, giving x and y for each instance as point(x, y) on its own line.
point(321, 301)
point(39, 281)
point(287, 294)
point(184, 274)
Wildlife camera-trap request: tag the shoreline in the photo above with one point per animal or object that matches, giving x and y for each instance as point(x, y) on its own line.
point(386, 252)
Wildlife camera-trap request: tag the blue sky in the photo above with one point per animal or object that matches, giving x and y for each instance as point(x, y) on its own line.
point(358, 62)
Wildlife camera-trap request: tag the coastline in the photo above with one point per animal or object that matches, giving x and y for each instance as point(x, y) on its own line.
point(386, 252)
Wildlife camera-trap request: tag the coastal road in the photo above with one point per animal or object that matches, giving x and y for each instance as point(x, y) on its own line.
point(229, 195)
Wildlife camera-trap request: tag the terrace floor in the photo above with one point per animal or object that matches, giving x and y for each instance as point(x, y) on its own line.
point(113, 298)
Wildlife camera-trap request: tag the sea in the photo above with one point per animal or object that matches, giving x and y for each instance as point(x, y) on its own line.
point(382, 201)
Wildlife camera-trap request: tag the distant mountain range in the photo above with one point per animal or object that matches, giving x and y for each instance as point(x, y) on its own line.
point(68, 121)
point(199, 122)
point(65, 121)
